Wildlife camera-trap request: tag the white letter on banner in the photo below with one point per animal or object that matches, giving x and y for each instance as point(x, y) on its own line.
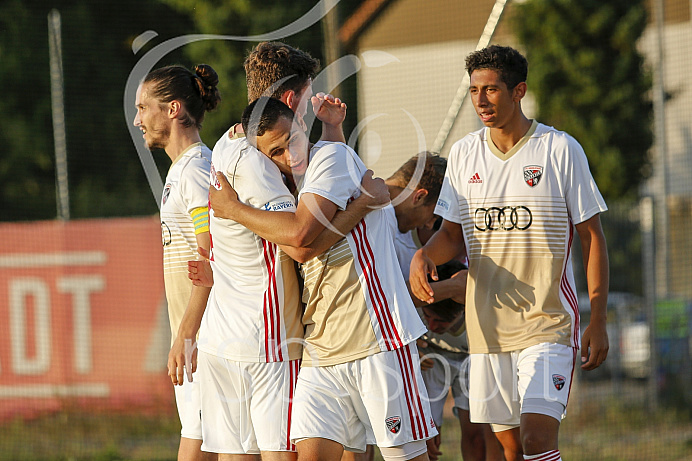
point(81, 287)
point(20, 290)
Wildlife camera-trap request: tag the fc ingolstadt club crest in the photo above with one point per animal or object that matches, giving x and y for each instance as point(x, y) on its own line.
point(393, 424)
point(166, 193)
point(559, 381)
point(532, 175)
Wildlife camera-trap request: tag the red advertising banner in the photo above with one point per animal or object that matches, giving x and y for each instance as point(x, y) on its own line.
point(82, 316)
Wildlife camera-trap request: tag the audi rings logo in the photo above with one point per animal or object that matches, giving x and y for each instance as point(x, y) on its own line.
point(504, 218)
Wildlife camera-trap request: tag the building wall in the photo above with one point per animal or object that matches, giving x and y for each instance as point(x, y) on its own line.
point(403, 104)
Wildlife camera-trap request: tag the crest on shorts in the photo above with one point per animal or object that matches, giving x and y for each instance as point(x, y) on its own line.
point(393, 424)
point(559, 381)
point(166, 193)
point(532, 175)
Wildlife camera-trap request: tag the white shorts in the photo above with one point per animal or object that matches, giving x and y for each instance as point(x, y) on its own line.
point(187, 399)
point(533, 380)
point(246, 406)
point(380, 399)
point(449, 371)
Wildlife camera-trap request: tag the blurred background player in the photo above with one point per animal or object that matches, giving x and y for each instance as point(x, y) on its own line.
point(171, 102)
point(514, 193)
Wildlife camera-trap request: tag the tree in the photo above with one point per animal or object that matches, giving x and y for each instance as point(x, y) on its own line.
point(106, 178)
point(239, 18)
point(589, 80)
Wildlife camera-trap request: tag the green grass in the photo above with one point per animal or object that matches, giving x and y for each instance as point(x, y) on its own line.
point(598, 427)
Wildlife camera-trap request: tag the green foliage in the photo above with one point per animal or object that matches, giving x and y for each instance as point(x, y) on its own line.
point(105, 175)
point(239, 18)
point(589, 80)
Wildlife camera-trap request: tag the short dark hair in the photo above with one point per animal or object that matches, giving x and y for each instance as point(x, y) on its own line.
point(508, 62)
point(261, 115)
point(431, 178)
point(447, 309)
point(277, 67)
point(196, 91)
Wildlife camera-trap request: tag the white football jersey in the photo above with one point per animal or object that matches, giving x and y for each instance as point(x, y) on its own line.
point(357, 303)
point(253, 313)
point(186, 189)
point(517, 211)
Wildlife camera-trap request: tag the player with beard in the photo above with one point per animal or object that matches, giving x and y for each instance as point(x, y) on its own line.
point(171, 102)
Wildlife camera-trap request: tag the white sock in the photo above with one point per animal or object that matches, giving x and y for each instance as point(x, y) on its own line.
point(552, 455)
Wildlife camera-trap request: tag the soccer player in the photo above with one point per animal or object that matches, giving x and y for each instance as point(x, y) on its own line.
point(360, 379)
point(171, 102)
point(250, 330)
point(415, 188)
point(514, 193)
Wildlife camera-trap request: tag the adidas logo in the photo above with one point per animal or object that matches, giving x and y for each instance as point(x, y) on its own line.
point(475, 179)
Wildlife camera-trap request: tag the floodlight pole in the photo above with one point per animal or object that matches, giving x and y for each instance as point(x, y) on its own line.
point(58, 109)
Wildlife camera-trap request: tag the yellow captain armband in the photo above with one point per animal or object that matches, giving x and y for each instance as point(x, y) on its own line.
point(200, 219)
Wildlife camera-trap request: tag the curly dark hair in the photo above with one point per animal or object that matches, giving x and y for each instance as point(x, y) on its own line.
point(277, 67)
point(508, 62)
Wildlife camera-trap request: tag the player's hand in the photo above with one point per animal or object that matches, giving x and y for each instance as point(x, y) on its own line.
point(421, 266)
point(200, 273)
point(426, 363)
point(182, 359)
point(222, 198)
point(460, 279)
point(434, 447)
point(328, 109)
point(594, 345)
point(375, 189)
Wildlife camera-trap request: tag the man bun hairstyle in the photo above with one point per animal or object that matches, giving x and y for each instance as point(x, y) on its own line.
point(197, 91)
point(506, 61)
point(207, 81)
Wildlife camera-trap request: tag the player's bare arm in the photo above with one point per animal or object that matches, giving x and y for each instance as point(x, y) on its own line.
point(199, 270)
point(595, 339)
point(313, 214)
point(178, 360)
point(444, 245)
point(331, 112)
point(375, 194)
point(451, 288)
point(295, 229)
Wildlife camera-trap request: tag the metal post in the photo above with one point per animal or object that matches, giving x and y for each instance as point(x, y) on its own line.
point(661, 184)
point(58, 108)
point(646, 213)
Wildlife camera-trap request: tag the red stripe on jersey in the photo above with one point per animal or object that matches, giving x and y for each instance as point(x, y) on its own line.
point(365, 269)
point(387, 313)
point(276, 328)
point(568, 291)
point(268, 311)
